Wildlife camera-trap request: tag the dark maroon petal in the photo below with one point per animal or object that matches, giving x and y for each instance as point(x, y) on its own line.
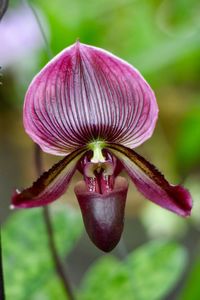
point(151, 183)
point(50, 186)
point(103, 215)
point(86, 93)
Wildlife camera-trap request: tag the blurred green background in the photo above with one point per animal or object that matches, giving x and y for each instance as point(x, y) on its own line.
point(162, 40)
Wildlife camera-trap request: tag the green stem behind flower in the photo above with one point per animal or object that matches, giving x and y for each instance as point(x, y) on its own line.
point(48, 49)
point(2, 291)
point(49, 228)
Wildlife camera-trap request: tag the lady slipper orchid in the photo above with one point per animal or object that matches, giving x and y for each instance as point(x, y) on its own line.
point(93, 108)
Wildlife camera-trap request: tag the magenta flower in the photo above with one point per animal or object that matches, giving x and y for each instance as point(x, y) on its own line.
point(93, 108)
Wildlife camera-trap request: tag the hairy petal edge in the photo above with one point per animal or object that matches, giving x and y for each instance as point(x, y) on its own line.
point(51, 185)
point(151, 183)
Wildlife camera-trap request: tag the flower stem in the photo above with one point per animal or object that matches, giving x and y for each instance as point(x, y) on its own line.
point(48, 49)
point(57, 262)
point(49, 228)
point(2, 291)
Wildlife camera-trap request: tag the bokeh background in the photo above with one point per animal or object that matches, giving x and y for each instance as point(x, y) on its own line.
point(162, 40)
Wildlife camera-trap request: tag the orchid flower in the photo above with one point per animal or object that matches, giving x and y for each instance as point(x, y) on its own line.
point(93, 108)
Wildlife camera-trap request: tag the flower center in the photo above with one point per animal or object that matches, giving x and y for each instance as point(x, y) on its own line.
point(98, 168)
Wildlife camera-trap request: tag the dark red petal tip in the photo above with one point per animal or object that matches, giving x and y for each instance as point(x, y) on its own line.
point(179, 194)
point(103, 215)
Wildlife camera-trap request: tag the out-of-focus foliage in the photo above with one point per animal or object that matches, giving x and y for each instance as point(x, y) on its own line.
point(28, 263)
point(161, 38)
point(147, 44)
point(191, 289)
point(147, 273)
point(167, 224)
point(51, 290)
point(168, 36)
point(188, 143)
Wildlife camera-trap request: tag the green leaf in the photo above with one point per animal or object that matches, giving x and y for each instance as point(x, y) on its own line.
point(192, 288)
point(148, 273)
point(107, 279)
point(28, 264)
point(50, 291)
point(155, 268)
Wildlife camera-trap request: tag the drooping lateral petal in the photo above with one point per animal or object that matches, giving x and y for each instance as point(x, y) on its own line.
point(86, 93)
point(151, 183)
point(50, 186)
